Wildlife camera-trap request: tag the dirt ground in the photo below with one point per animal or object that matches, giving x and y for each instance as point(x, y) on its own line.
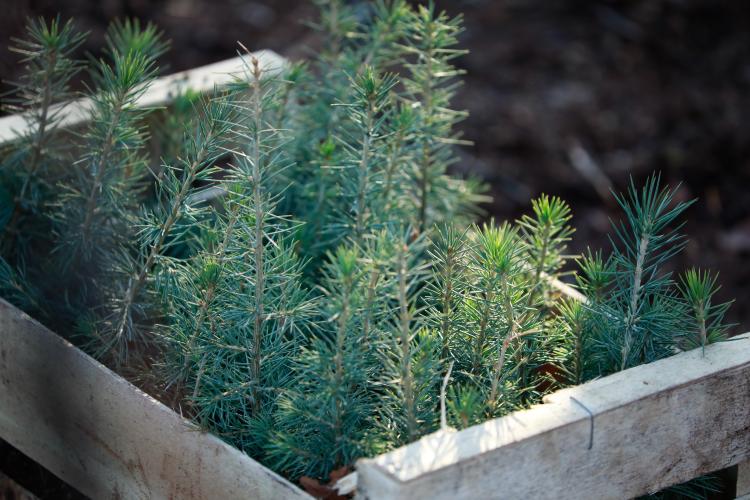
point(569, 98)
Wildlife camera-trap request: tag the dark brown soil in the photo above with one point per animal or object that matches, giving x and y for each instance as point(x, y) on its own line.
point(637, 87)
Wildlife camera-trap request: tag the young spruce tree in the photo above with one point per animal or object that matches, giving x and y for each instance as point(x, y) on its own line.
point(242, 312)
point(96, 203)
point(39, 95)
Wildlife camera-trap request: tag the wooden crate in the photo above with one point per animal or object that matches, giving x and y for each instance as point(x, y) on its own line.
point(104, 436)
point(624, 435)
point(628, 434)
point(633, 432)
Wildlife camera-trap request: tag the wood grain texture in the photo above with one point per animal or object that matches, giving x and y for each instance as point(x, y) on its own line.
point(653, 426)
point(162, 91)
point(104, 436)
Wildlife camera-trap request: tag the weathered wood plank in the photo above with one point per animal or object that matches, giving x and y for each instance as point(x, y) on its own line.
point(743, 480)
point(653, 426)
point(160, 92)
point(105, 437)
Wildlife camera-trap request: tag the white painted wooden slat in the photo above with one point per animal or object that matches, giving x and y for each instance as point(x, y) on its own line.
point(653, 426)
point(104, 436)
point(160, 92)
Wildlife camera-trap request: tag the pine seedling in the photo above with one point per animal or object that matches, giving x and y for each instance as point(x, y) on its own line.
point(248, 314)
point(325, 86)
point(322, 421)
point(337, 22)
point(638, 319)
point(573, 325)
point(571, 332)
point(314, 199)
point(545, 236)
point(94, 206)
point(466, 405)
point(496, 259)
point(411, 366)
point(160, 229)
point(360, 174)
point(698, 289)
point(503, 302)
point(16, 288)
point(128, 36)
point(260, 163)
point(448, 285)
point(365, 149)
point(596, 275)
point(383, 47)
point(39, 95)
point(236, 372)
point(314, 193)
point(368, 35)
point(396, 195)
point(193, 298)
point(430, 86)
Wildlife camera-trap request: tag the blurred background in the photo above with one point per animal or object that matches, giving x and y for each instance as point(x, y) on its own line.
point(565, 97)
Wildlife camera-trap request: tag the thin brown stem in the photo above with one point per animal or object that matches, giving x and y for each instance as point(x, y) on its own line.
point(156, 248)
point(259, 235)
point(209, 293)
point(634, 299)
point(447, 305)
point(500, 363)
point(369, 305)
point(390, 169)
point(426, 158)
point(364, 175)
point(405, 341)
point(36, 151)
point(102, 162)
point(37, 145)
point(482, 335)
point(341, 331)
point(536, 285)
